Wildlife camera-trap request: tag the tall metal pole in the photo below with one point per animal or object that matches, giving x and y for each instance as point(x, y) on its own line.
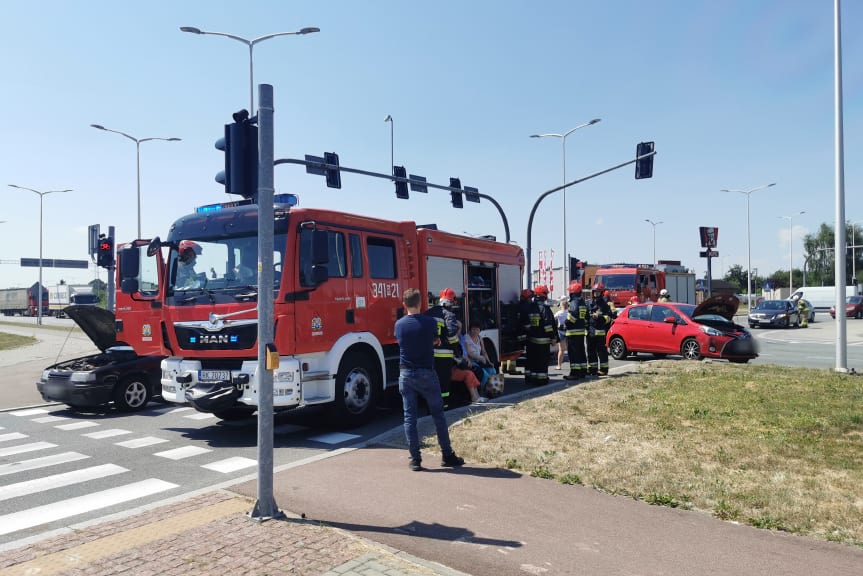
point(137, 142)
point(791, 250)
point(41, 288)
point(265, 506)
point(839, 274)
point(654, 224)
point(748, 193)
point(392, 146)
point(563, 139)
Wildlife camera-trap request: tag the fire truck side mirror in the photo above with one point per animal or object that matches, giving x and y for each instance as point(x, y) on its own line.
point(154, 246)
point(320, 247)
point(128, 262)
point(320, 274)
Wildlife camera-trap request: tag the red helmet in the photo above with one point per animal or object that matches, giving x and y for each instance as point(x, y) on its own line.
point(606, 293)
point(574, 287)
point(447, 294)
point(541, 291)
point(598, 287)
point(188, 249)
point(526, 293)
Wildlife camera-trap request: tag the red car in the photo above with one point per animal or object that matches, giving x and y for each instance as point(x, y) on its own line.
point(853, 307)
point(694, 332)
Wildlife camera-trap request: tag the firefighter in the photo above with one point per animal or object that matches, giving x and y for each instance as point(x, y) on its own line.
point(610, 302)
point(524, 299)
point(664, 296)
point(576, 329)
point(538, 326)
point(600, 320)
point(803, 309)
point(448, 332)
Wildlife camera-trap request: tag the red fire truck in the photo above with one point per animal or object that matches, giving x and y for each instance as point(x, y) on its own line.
point(630, 283)
point(334, 331)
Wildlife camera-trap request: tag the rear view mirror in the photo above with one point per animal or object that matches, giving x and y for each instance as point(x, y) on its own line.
point(670, 320)
point(154, 247)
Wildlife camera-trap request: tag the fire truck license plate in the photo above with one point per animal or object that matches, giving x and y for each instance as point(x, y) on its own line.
point(214, 375)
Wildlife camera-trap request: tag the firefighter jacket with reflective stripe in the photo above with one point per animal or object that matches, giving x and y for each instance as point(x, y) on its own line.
point(538, 323)
point(577, 317)
point(600, 317)
point(447, 325)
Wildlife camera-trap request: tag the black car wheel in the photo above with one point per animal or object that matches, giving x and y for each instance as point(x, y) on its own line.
point(617, 348)
point(858, 315)
point(132, 393)
point(690, 349)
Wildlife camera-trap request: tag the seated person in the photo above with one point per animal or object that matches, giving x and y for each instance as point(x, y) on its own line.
point(187, 277)
point(473, 348)
point(461, 372)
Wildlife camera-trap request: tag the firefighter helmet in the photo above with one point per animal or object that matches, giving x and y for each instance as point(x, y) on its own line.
point(574, 287)
point(447, 297)
point(526, 294)
point(607, 294)
point(598, 287)
point(541, 291)
point(188, 250)
point(663, 292)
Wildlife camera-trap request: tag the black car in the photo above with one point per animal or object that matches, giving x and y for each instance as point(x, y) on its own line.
point(779, 313)
point(117, 374)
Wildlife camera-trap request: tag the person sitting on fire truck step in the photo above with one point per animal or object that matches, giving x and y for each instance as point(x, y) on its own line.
point(187, 277)
point(538, 324)
point(448, 331)
point(461, 372)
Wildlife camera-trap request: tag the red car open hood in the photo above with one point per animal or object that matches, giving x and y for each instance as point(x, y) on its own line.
point(723, 305)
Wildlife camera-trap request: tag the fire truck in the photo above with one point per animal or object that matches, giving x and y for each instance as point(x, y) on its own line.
point(630, 283)
point(338, 285)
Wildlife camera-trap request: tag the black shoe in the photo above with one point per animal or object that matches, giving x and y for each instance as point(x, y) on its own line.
point(415, 464)
point(571, 377)
point(452, 460)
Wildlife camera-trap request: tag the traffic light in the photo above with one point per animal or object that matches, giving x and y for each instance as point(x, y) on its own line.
point(644, 167)
point(401, 187)
point(333, 176)
point(240, 146)
point(105, 255)
point(457, 200)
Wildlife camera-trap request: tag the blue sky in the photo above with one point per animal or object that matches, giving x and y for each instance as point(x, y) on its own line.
point(736, 94)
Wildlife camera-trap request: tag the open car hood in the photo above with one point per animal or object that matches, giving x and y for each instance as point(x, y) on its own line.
point(723, 305)
point(97, 323)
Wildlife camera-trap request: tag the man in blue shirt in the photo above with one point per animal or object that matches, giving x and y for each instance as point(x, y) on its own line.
point(417, 335)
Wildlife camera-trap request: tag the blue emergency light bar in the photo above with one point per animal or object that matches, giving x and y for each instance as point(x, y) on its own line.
point(289, 199)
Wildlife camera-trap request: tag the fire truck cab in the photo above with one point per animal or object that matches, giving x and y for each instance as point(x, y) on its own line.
point(338, 285)
point(631, 283)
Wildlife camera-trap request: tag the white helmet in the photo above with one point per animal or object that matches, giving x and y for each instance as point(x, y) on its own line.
point(663, 292)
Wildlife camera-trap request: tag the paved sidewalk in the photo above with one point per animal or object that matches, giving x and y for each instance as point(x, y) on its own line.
point(211, 534)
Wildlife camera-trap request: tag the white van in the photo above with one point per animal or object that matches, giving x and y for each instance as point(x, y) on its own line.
point(821, 297)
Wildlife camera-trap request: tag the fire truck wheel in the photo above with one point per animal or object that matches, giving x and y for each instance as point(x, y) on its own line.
point(132, 393)
point(356, 391)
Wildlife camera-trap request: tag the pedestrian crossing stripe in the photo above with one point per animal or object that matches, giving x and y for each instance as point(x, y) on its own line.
point(63, 509)
point(141, 442)
point(184, 452)
point(59, 480)
point(22, 448)
point(41, 462)
point(110, 433)
point(76, 425)
point(12, 436)
point(29, 412)
point(230, 464)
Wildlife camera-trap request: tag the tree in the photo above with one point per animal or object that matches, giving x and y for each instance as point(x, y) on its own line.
point(736, 275)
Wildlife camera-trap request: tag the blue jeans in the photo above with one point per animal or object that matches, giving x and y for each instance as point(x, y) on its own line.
point(413, 384)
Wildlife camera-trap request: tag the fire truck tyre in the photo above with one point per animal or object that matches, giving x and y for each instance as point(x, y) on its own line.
point(132, 393)
point(690, 349)
point(356, 391)
point(617, 348)
point(235, 413)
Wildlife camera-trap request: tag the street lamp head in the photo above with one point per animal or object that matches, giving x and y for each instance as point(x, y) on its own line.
point(388, 118)
point(191, 29)
point(595, 120)
point(98, 126)
point(309, 30)
point(173, 139)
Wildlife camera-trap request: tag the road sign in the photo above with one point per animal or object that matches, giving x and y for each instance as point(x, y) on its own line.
point(709, 253)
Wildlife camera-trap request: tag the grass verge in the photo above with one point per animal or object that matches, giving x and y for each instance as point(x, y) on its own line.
point(12, 341)
point(773, 447)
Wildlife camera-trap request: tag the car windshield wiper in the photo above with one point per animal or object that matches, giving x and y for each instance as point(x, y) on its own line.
point(201, 292)
point(252, 292)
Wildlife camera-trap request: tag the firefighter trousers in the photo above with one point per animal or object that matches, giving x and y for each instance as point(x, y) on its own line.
point(577, 356)
point(536, 368)
point(597, 355)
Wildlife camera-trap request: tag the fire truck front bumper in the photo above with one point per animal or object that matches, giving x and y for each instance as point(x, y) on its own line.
point(214, 397)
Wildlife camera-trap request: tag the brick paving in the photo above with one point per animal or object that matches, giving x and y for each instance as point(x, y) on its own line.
point(210, 534)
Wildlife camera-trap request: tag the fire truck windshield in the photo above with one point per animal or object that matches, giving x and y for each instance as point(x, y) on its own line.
point(617, 281)
point(223, 263)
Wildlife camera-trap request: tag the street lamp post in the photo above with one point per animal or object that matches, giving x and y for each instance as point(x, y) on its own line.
point(791, 250)
point(392, 156)
point(654, 224)
point(41, 196)
point(749, 238)
point(137, 142)
point(251, 45)
point(563, 140)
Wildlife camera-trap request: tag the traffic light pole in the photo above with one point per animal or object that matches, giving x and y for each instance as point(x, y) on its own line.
point(109, 297)
point(553, 190)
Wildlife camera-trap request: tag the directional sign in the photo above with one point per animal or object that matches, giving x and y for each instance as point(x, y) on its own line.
point(54, 263)
point(313, 169)
point(709, 254)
